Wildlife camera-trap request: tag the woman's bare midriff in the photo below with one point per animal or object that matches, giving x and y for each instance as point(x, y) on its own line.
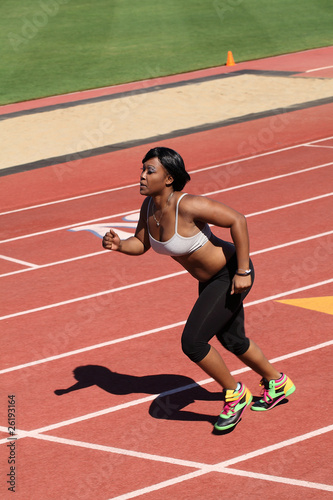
point(208, 260)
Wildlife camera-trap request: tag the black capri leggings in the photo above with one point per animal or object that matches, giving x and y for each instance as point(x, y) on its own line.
point(216, 312)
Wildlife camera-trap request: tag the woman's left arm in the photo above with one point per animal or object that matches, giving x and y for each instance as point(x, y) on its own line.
point(218, 214)
point(240, 236)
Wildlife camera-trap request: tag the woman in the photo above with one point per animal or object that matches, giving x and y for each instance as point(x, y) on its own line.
point(177, 224)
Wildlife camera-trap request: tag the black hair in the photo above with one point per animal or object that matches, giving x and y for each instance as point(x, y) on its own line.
point(173, 163)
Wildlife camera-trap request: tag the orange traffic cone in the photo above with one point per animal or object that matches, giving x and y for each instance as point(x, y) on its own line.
point(230, 59)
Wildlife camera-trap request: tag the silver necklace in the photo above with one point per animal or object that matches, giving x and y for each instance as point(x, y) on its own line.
point(158, 222)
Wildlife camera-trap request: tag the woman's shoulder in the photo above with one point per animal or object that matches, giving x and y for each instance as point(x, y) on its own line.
point(190, 205)
point(187, 201)
point(197, 207)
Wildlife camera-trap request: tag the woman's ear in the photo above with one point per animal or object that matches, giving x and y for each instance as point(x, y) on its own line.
point(169, 180)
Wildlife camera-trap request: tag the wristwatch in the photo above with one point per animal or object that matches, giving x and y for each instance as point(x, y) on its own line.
point(245, 272)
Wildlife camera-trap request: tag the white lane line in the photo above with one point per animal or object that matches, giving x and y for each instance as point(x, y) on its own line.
point(111, 449)
point(119, 451)
point(91, 296)
point(260, 155)
point(206, 468)
point(93, 347)
point(21, 262)
point(267, 179)
point(318, 146)
point(222, 468)
point(203, 169)
point(56, 263)
point(192, 475)
point(164, 484)
point(301, 352)
point(288, 205)
point(317, 69)
point(278, 479)
point(203, 468)
point(290, 292)
point(283, 245)
point(39, 233)
point(277, 446)
point(72, 198)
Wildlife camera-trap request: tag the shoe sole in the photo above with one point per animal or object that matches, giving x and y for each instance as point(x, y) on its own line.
point(260, 408)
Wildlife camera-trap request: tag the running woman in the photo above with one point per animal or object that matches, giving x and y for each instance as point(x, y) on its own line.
point(177, 224)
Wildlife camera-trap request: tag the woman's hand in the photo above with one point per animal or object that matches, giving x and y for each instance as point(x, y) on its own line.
point(240, 283)
point(111, 241)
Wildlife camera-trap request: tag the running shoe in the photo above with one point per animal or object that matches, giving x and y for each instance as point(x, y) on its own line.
point(274, 391)
point(235, 403)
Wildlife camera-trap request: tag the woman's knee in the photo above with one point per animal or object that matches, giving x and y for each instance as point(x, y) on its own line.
point(237, 346)
point(196, 351)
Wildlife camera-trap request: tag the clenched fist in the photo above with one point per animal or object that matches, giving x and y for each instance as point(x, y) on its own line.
point(111, 241)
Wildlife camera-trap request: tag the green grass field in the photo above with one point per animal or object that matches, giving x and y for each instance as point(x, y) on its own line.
point(52, 47)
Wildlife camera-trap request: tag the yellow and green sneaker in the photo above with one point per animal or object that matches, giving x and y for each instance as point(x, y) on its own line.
point(274, 391)
point(235, 403)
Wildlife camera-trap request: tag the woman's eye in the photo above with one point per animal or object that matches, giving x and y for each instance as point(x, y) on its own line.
point(148, 170)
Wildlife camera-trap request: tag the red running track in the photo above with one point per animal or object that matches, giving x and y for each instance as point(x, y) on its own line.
point(67, 304)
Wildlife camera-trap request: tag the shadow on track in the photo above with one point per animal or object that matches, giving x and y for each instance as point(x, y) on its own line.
point(173, 392)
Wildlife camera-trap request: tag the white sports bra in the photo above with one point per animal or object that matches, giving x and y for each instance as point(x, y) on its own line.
point(179, 245)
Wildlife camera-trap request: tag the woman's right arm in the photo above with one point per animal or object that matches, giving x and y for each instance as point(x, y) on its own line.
point(134, 245)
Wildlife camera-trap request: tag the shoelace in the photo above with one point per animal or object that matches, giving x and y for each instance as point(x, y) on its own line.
point(265, 392)
point(229, 407)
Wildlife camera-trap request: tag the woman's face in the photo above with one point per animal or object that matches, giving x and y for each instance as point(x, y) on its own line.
point(154, 178)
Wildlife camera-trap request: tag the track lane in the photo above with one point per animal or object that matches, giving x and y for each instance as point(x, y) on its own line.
point(107, 271)
point(197, 417)
point(118, 383)
point(135, 440)
point(97, 285)
point(252, 202)
point(85, 323)
point(222, 176)
point(59, 246)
